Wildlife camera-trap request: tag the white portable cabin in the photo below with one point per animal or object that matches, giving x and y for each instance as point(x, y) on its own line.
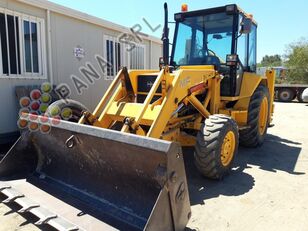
point(45, 42)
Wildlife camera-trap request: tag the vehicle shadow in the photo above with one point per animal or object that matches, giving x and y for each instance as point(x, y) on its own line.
point(201, 189)
point(275, 154)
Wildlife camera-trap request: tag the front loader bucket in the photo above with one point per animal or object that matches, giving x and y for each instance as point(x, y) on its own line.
point(121, 181)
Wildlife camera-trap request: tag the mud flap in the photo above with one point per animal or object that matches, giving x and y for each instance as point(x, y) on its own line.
point(127, 181)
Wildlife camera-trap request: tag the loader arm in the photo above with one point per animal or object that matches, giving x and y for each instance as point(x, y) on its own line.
point(156, 114)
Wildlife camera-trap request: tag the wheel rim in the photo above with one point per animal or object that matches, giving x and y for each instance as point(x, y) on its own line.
point(285, 95)
point(263, 115)
point(227, 148)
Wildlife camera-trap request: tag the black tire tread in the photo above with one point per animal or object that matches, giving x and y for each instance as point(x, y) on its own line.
point(208, 145)
point(250, 136)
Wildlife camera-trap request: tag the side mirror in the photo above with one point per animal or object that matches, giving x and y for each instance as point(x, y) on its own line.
point(217, 36)
point(246, 25)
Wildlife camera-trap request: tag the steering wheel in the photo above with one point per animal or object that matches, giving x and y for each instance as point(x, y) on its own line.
point(202, 52)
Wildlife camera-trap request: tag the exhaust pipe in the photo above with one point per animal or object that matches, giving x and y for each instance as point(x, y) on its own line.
point(166, 37)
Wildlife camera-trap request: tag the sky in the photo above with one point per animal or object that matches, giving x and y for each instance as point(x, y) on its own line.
point(279, 22)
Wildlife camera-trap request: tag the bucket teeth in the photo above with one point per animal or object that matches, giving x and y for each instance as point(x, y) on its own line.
point(2, 187)
point(9, 200)
point(27, 209)
point(11, 194)
point(26, 204)
point(43, 214)
point(44, 220)
point(62, 224)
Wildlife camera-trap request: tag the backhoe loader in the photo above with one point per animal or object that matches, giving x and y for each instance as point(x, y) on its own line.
point(121, 166)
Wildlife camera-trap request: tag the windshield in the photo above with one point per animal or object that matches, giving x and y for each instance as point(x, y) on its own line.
point(203, 40)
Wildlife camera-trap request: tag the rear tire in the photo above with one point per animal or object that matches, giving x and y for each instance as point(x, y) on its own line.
point(216, 147)
point(286, 95)
point(254, 135)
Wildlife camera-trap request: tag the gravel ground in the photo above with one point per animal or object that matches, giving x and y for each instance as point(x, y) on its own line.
point(267, 189)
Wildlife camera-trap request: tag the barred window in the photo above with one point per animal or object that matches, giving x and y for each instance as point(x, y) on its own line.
point(119, 54)
point(21, 45)
point(137, 57)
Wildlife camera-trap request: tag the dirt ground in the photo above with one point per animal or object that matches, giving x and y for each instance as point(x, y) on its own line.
point(266, 190)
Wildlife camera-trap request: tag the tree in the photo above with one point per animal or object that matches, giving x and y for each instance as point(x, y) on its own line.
point(271, 61)
point(297, 61)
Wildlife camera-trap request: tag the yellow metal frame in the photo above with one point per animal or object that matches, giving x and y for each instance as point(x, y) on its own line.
point(227, 148)
point(182, 87)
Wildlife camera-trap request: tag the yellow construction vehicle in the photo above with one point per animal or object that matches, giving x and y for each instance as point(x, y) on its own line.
point(206, 95)
point(124, 158)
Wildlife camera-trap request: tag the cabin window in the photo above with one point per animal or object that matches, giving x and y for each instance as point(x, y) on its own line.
point(242, 40)
point(252, 52)
point(21, 45)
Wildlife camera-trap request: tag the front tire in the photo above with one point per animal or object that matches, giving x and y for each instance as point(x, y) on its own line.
point(258, 118)
point(216, 147)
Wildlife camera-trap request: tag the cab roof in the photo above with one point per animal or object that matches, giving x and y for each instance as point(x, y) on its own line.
point(229, 9)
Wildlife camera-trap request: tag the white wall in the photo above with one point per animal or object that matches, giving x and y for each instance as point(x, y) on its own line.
point(66, 33)
point(8, 101)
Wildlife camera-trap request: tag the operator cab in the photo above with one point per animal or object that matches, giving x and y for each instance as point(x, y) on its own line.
point(224, 37)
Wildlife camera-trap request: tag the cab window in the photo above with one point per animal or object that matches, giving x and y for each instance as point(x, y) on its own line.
point(242, 46)
point(252, 49)
point(203, 40)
